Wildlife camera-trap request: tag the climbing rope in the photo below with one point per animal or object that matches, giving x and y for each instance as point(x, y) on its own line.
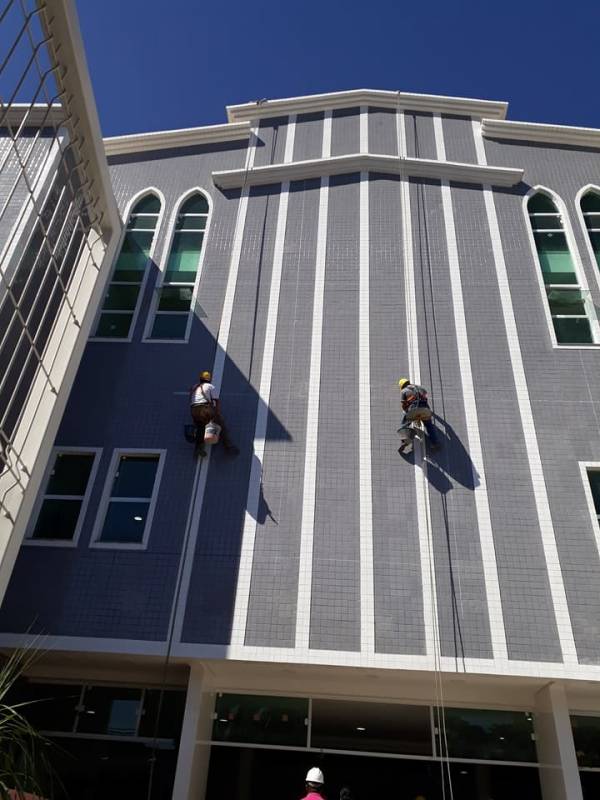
point(438, 680)
point(201, 464)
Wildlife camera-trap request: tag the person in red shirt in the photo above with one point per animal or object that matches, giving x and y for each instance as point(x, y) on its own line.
point(314, 784)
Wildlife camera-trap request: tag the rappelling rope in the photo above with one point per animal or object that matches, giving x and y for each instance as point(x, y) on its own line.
point(438, 684)
point(200, 465)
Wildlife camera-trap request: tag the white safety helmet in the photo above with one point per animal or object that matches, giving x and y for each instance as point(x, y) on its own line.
point(314, 775)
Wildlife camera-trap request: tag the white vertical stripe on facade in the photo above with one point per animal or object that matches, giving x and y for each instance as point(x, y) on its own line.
point(312, 419)
point(367, 599)
point(557, 588)
point(262, 415)
point(199, 486)
point(430, 615)
point(482, 507)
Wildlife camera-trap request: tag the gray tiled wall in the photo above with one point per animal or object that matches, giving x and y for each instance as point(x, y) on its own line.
point(132, 395)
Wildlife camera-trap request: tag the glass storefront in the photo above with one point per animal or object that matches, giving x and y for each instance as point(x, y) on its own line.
point(106, 740)
point(263, 746)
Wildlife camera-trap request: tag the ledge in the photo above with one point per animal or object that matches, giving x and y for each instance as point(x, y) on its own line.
point(359, 162)
point(184, 137)
point(368, 97)
point(538, 132)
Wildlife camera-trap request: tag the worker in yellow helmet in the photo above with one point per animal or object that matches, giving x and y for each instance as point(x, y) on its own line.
point(416, 409)
point(205, 407)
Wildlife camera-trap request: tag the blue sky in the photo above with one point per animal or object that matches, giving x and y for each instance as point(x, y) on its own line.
point(157, 65)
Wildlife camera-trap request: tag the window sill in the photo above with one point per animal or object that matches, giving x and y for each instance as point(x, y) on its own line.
point(112, 339)
point(50, 542)
point(576, 346)
point(118, 545)
point(165, 341)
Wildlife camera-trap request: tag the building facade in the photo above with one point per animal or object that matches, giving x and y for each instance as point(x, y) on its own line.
point(409, 624)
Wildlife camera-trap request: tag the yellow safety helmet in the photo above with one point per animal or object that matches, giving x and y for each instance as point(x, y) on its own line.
point(205, 376)
point(402, 382)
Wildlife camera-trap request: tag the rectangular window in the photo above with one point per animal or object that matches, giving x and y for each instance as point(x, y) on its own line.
point(110, 711)
point(586, 736)
point(489, 735)
point(260, 719)
point(373, 727)
point(594, 479)
point(63, 503)
point(129, 499)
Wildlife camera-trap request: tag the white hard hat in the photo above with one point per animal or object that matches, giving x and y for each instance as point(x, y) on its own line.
point(314, 775)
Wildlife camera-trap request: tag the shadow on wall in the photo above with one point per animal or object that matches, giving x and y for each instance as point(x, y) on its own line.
point(142, 402)
point(451, 461)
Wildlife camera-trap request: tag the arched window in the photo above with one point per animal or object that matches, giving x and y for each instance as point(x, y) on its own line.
point(568, 302)
point(176, 291)
point(123, 294)
point(590, 207)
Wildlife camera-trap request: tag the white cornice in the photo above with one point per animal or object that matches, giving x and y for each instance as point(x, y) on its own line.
point(184, 137)
point(33, 115)
point(538, 132)
point(340, 165)
point(368, 97)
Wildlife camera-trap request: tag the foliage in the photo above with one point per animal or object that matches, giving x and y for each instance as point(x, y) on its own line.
point(24, 765)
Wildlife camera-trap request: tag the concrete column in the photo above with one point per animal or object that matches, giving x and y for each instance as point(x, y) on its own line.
point(559, 773)
point(193, 758)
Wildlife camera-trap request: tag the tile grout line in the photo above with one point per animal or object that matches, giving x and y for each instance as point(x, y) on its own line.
point(312, 418)
point(557, 588)
point(246, 562)
point(429, 596)
point(367, 600)
point(482, 508)
point(197, 499)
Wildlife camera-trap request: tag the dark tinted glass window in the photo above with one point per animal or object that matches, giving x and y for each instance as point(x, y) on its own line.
point(70, 474)
point(125, 522)
point(171, 714)
point(264, 720)
point(377, 727)
point(490, 735)
point(594, 479)
point(109, 710)
point(135, 476)
point(53, 706)
point(57, 519)
point(586, 735)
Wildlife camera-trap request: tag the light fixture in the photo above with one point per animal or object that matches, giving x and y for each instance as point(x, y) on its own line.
point(223, 720)
point(138, 519)
point(502, 738)
point(360, 728)
point(464, 772)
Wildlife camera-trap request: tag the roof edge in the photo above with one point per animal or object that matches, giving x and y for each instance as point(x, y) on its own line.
point(182, 137)
point(541, 132)
point(260, 109)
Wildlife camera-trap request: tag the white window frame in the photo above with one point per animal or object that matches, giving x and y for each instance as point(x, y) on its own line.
point(128, 211)
point(590, 187)
point(585, 467)
point(56, 451)
point(107, 492)
point(163, 268)
point(581, 285)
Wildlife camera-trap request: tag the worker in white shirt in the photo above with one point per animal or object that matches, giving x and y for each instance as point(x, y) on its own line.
point(206, 407)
